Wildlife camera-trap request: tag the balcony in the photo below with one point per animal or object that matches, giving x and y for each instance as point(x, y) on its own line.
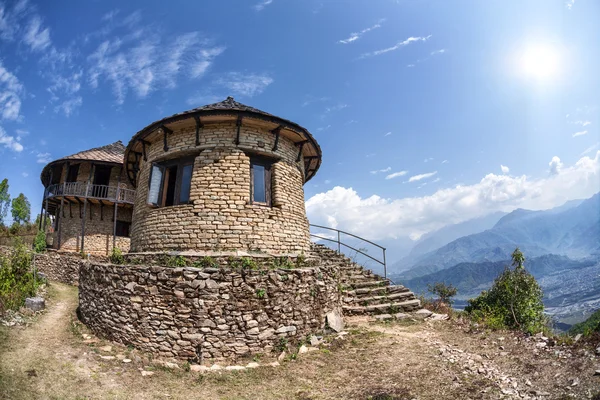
point(81, 190)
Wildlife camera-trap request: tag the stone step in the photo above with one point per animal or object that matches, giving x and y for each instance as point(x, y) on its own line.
point(367, 284)
point(404, 306)
point(384, 299)
point(377, 291)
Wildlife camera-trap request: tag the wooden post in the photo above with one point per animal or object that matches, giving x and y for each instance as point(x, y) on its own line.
point(47, 195)
point(87, 188)
point(60, 213)
point(116, 207)
point(42, 210)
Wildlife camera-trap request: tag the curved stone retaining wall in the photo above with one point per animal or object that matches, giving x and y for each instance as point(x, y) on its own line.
point(205, 313)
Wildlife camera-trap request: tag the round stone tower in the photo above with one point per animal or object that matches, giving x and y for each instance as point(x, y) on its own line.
point(220, 178)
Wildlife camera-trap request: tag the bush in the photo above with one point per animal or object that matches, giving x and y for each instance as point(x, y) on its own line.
point(587, 327)
point(16, 278)
point(116, 256)
point(513, 302)
point(443, 291)
point(39, 243)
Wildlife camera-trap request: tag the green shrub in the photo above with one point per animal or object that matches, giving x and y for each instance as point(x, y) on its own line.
point(282, 262)
point(177, 262)
point(260, 293)
point(206, 262)
point(116, 256)
point(587, 327)
point(248, 263)
point(443, 291)
point(16, 278)
point(513, 302)
point(39, 242)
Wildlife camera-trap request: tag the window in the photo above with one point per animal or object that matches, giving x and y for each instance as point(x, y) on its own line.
point(123, 228)
point(260, 181)
point(170, 182)
point(72, 173)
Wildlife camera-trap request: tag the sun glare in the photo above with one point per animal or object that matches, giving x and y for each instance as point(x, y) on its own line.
point(540, 62)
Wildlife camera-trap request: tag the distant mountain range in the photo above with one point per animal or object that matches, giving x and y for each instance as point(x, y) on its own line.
point(561, 246)
point(571, 230)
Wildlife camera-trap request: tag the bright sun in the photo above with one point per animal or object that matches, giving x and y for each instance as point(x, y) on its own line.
point(541, 62)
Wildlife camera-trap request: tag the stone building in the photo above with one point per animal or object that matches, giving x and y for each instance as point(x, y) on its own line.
point(89, 201)
point(220, 178)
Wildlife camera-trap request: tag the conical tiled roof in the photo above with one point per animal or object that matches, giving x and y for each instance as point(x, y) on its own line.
point(227, 107)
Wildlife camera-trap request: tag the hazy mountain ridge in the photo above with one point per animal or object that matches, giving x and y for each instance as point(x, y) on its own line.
point(571, 230)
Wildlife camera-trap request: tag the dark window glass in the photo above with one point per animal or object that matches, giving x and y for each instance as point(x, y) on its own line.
point(260, 194)
point(260, 190)
point(123, 228)
point(72, 173)
point(170, 182)
point(186, 183)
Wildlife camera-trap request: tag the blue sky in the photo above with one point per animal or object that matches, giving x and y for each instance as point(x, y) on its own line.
point(416, 104)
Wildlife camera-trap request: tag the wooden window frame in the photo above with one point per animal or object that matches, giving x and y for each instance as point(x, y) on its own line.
point(164, 166)
point(267, 164)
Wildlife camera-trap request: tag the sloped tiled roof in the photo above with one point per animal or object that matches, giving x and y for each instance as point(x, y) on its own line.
point(228, 104)
point(112, 153)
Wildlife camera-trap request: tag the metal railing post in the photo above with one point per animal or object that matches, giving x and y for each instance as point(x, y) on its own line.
point(384, 265)
point(339, 243)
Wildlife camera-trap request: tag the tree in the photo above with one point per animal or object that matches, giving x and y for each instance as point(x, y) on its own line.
point(4, 200)
point(21, 209)
point(443, 291)
point(514, 301)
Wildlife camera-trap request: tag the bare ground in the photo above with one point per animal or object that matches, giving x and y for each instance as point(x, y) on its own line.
point(50, 359)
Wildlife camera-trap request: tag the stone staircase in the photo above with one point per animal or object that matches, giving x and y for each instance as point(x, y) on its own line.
point(366, 293)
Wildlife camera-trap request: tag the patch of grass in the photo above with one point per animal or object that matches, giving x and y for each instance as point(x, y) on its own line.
point(261, 293)
point(116, 256)
point(205, 262)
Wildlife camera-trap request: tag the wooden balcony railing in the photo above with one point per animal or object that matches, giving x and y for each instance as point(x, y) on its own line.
point(89, 191)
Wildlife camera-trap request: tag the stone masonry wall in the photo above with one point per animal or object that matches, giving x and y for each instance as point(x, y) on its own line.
point(98, 231)
point(220, 216)
point(210, 313)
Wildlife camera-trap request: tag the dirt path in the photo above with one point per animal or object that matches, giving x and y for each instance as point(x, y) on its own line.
point(51, 359)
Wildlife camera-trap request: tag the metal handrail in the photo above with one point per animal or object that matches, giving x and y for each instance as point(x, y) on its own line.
point(340, 244)
point(81, 189)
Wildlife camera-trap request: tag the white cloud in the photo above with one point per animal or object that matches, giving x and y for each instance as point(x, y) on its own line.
point(248, 85)
point(396, 174)
point(36, 36)
point(387, 134)
point(137, 62)
point(583, 123)
point(260, 6)
point(109, 16)
point(569, 4)
point(580, 133)
point(323, 128)
point(10, 91)
point(555, 165)
point(24, 174)
point(356, 35)
point(68, 107)
point(505, 169)
point(435, 52)
point(202, 98)
point(416, 178)
point(43, 158)
point(445, 162)
point(10, 142)
point(377, 171)
point(310, 99)
point(336, 108)
point(590, 149)
point(10, 19)
point(397, 46)
point(428, 159)
point(377, 218)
